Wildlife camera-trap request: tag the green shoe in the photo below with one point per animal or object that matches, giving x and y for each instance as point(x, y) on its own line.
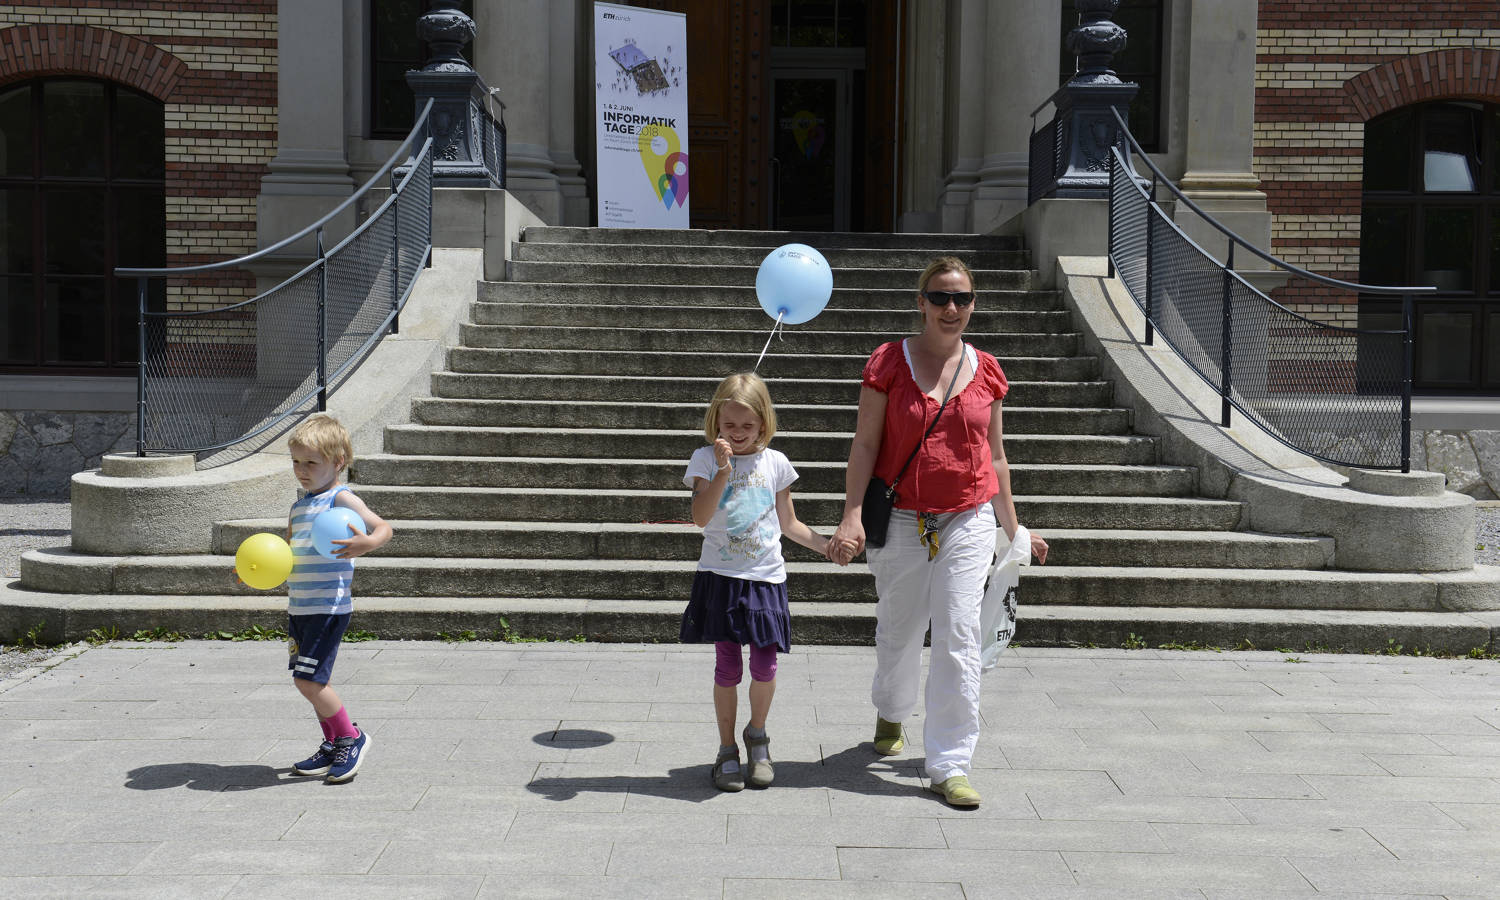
point(956, 791)
point(888, 737)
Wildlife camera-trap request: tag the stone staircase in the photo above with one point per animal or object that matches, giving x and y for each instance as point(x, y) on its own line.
point(541, 479)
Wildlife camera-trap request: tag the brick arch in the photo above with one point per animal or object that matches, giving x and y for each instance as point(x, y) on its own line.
point(32, 51)
point(1468, 72)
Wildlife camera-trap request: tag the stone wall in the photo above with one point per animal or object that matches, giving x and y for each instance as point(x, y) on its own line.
point(41, 451)
point(1470, 459)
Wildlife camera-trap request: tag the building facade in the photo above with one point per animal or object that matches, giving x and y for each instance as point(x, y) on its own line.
point(1360, 140)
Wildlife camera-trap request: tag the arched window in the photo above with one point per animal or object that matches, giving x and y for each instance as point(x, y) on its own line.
point(1431, 215)
point(81, 192)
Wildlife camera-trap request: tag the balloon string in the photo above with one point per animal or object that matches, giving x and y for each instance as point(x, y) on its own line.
point(774, 328)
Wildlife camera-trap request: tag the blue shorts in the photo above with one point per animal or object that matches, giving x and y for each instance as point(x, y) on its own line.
point(313, 644)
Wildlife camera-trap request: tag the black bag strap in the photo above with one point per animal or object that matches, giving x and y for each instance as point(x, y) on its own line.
point(962, 358)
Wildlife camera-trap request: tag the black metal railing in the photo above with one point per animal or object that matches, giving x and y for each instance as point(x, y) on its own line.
point(220, 382)
point(1341, 395)
point(1045, 157)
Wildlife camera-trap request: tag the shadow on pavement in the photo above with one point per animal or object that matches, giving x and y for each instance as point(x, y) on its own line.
point(209, 777)
point(856, 769)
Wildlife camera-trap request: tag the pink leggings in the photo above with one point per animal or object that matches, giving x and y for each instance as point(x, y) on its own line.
point(729, 668)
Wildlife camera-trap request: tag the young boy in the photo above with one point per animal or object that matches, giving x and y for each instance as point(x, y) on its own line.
point(319, 601)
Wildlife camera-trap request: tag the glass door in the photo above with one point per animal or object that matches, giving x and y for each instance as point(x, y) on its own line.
point(810, 168)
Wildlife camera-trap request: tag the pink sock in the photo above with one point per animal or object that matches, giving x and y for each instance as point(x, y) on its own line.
point(340, 725)
point(327, 727)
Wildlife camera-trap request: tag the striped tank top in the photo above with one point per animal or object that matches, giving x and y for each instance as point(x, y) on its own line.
point(317, 584)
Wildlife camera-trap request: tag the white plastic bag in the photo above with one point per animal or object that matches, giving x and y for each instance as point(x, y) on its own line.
point(997, 612)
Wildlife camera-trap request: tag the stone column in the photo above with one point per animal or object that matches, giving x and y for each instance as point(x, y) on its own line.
point(562, 76)
point(927, 51)
point(514, 55)
point(310, 172)
point(1218, 172)
point(965, 111)
point(1021, 53)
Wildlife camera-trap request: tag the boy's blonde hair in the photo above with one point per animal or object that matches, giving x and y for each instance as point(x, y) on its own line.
point(746, 389)
point(326, 435)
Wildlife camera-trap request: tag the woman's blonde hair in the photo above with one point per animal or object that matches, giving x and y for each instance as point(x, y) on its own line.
point(746, 389)
point(326, 435)
point(944, 264)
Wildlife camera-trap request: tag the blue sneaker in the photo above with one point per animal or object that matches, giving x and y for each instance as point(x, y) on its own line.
point(348, 755)
point(318, 763)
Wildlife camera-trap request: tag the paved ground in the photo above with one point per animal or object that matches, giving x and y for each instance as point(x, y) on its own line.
point(552, 770)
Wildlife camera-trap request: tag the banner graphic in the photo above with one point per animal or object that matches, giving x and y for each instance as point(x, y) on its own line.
point(640, 99)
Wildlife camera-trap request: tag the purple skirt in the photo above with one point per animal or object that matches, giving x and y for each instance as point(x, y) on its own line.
point(738, 610)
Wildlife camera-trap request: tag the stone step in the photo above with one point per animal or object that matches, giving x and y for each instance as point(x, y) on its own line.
point(693, 254)
point(936, 244)
point(469, 386)
point(902, 298)
point(645, 274)
point(715, 365)
point(667, 582)
point(624, 540)
point(821, 509)
point(666, 474)
point(639, 443)
point(754, 319)
point(651, 412)
point(793, 340)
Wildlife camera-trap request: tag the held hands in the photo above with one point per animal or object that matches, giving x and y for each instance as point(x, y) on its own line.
point(847, 541)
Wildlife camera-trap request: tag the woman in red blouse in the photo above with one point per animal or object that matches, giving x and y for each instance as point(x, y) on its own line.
point(941, 540)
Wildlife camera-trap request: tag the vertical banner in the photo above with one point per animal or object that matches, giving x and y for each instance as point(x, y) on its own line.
point(640, 99)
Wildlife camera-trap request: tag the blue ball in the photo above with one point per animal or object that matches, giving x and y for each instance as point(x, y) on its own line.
point(794, 283)
point(331, 525)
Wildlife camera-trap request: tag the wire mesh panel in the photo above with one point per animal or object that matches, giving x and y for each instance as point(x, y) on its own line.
point(1333, 393)
point(1187, 287)
point(1042, 162)
point(362, 290)
point(224, 382)
point(413, 216)
point(216, 376)
point(1128, 209)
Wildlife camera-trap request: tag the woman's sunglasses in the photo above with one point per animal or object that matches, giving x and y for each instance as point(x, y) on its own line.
point(942, 298)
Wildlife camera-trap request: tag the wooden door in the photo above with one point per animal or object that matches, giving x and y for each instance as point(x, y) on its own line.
point(727, 41)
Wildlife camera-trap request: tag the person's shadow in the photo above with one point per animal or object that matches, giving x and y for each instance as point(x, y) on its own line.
point(856, 769)
point(209, 777)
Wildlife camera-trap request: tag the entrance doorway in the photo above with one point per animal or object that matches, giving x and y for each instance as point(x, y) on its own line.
point(816, 121)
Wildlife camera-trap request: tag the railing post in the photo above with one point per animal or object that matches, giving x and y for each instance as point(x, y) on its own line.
point(1407, 354)
point(322, 325)
point(140, 368)
point(395, 258)
point(1226, 355)
point(1150, 261)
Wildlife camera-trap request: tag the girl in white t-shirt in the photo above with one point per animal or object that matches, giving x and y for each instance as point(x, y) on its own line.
point(742, 500)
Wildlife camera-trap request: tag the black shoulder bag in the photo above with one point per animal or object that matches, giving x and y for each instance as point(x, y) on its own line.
point(880, 497)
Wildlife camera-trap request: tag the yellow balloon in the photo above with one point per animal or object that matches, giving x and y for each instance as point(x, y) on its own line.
point(263, 561)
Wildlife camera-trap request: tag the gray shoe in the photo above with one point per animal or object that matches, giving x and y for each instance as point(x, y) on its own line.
point(761, 771)
point(727, 774)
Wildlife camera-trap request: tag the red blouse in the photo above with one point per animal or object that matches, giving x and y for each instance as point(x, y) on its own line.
point(954, 469)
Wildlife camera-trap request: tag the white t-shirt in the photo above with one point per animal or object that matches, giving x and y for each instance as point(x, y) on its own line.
point(743, 539)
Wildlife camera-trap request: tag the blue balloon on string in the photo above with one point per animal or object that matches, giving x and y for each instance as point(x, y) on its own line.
point(794, 283)
point(332, 524)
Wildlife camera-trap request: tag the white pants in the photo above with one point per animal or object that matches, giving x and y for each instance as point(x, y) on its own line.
point(945, 591)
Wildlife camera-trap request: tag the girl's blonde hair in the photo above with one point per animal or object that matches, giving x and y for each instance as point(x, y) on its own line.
point(944, 264)
point(326, 435)
point(746, 389)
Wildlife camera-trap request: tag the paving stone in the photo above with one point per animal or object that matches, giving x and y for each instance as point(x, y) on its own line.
point(533, 792)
